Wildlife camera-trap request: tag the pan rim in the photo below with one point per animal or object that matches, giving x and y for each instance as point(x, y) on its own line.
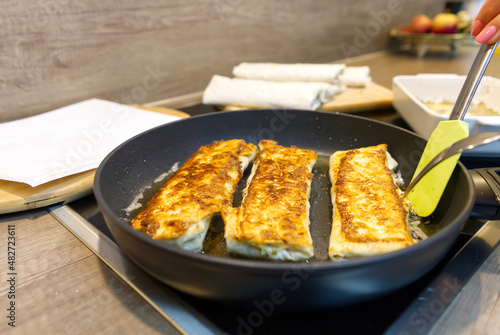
point(270, 265)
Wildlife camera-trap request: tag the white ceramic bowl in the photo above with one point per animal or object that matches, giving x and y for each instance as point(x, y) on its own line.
point(411, 93)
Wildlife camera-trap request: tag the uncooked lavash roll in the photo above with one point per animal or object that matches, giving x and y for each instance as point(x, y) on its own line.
point(355, 76)
point(350, 76)
point(289, 72)
point(268, 94)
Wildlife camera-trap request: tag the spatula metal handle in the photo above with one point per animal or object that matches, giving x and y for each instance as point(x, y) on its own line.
point(472, 81)
point(466, 144)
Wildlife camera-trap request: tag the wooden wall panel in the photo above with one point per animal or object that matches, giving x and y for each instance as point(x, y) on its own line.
point(56, 52)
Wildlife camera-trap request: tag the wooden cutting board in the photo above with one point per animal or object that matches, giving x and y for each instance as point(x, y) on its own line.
point(371, 97)
point(15, 197)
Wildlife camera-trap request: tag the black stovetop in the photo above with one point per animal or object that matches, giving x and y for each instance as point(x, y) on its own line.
point(372, 317)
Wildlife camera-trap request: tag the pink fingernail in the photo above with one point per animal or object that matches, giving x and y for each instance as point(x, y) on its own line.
point(486, 34)
point(476, 27)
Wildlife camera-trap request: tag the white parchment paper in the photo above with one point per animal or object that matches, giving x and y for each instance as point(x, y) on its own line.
point(69, 140)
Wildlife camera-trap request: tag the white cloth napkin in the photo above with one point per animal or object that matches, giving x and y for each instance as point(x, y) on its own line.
point(69, 140)
point(261, 93)
point(289, 72)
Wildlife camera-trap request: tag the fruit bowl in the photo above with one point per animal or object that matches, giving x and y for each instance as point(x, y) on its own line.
point(425, 39)
point(403, 34)
point(443, 29)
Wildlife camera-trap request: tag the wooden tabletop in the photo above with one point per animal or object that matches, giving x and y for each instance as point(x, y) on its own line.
point(61, 287)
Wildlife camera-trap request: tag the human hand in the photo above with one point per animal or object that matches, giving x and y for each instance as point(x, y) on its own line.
point(486, 27)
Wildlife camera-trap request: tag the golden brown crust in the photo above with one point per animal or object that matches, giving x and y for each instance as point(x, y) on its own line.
point(370, 216)
point(201, 187)
point(275, 208)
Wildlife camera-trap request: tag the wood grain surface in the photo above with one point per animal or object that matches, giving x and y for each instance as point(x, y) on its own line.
point(371, 97)
point(57, 52)
point(63, 288)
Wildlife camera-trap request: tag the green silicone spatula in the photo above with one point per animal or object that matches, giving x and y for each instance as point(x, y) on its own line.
point(426, 194)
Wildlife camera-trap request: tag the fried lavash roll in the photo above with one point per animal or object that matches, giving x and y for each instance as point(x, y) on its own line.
point(273, 219)
point(181, 211)
point(370, 217)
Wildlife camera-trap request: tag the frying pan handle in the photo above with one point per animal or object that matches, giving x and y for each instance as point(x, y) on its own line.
point(487, 182)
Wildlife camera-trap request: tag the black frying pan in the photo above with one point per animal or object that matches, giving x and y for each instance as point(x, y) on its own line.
point(134, 165)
